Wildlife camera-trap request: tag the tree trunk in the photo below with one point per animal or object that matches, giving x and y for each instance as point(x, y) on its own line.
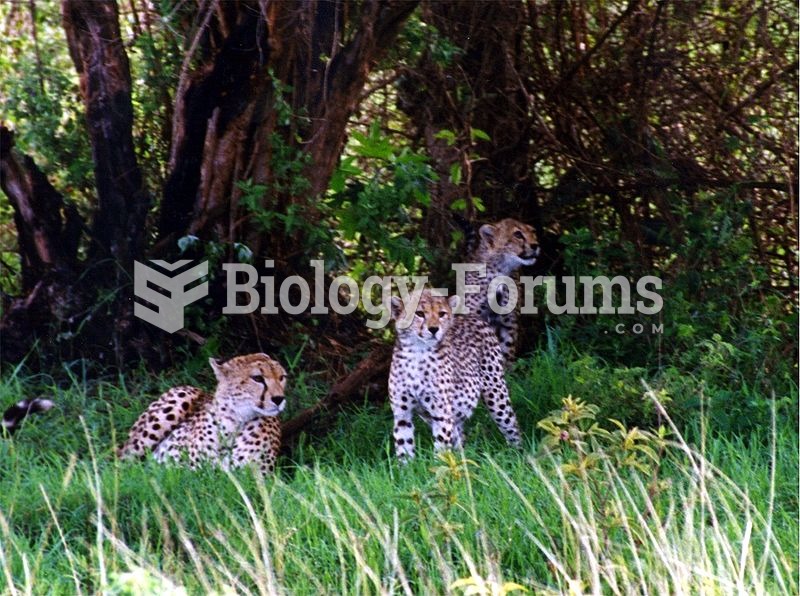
point(47, 236)
point(65, 305)
point(95, 44)
point(47, 228)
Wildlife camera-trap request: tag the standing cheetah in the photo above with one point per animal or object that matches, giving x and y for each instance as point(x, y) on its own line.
point(441, 365)
point(504, 247)
point(235, 426)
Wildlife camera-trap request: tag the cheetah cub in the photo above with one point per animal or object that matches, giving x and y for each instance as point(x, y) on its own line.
point(504, 247)
point(235, 426)
point(441, 365)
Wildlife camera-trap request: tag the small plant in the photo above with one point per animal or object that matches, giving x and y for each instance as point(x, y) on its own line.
point(449, 482)
point(574, 432)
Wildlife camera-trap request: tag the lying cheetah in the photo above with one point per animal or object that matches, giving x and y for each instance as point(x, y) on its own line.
point(442, 363)
point(504, 247)
point(235, 426)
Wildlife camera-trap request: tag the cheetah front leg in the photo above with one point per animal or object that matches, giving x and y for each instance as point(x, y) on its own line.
point(462, 410)
point(403, 432)
point(442, 426)
point(458, 434)
point(443, 435)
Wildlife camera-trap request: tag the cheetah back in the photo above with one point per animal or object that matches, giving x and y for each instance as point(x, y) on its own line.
point(161, 418)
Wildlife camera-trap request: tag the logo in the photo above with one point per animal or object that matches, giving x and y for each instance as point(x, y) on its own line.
point(169, 292)
point(164, 290)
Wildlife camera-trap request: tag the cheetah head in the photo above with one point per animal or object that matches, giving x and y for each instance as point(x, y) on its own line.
point(508, 243)
point(253, 385)
point(430, 320)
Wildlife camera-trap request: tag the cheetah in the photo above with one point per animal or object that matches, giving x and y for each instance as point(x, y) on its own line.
point(504, 247)
point(235, 426)
point(441, 364)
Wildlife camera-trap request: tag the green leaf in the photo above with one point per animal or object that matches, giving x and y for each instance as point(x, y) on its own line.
point(447, 135)
point(372, 146)
point(243, 253)
point(459, 205)
point(648, 451)
point(477, 133)
point(187, 242)
point(455, 173)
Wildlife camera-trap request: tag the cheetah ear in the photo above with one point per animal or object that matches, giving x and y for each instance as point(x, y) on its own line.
point(396, 307)
point(487, 233)
point(216, 366)
point(454, 301)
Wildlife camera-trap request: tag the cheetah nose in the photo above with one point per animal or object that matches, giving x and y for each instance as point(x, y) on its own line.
point(535, 249)
point(433, 330)
point(277, 399)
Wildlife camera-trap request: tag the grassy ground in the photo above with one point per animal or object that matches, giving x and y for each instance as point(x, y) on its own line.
point(600, 514)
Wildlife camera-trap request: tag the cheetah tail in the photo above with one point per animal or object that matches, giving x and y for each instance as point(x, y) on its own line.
point(13, 416)
point(470, 231)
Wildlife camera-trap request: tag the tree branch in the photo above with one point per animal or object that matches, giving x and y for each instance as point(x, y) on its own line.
point(346, 77)
point(584, 59)
point(374, 369)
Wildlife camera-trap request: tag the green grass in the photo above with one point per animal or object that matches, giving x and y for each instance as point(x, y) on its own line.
point(342, 517)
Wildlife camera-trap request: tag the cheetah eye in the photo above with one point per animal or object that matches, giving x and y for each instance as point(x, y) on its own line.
point(420, 314)
point(519, 235)
point(443, 313)
point(258, 379)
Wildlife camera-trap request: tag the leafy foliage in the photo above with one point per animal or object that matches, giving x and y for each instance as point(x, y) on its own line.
point(40, 97)
point(574, 429)
point(375, 197)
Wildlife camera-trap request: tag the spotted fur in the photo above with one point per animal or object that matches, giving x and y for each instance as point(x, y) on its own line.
point(504, 247)
point(236, 425)
point(441, 365)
